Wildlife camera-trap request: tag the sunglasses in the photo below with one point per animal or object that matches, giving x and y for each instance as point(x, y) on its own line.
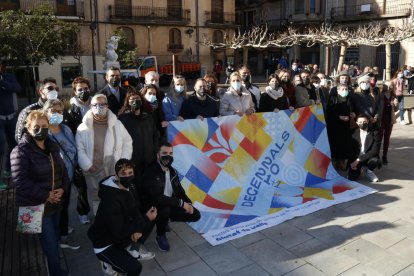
point(51, 88)
point(83, 89)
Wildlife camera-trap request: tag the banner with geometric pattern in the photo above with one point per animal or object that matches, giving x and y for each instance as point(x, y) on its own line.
point(249, 173)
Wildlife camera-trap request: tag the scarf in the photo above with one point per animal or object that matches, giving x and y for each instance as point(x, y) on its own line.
point(274, 94)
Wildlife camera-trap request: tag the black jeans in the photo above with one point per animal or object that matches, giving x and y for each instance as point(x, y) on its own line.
point(175, 214)
point(82, 201)
point(120, 260)
point(371, 164)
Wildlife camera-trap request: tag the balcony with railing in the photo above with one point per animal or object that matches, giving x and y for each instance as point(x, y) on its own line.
point(175, 47)
point(60, 8)
point(372, 10)
point(149, 14)
point(216, 19)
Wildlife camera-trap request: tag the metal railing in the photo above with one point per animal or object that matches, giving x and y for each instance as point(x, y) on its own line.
point(71, 8)
point(220, 18)
point(149, 13)
point(174, 47)
point(391, 8)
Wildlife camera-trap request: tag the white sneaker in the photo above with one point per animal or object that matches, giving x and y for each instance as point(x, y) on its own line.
point(84, 219)
point(107, 269)
point(371, 175)
point(142, 254)
point(68, 246)
point(403, 123)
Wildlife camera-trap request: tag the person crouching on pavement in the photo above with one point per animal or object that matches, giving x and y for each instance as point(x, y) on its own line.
point(162, 189)
point(118, 223)
point(365, 147)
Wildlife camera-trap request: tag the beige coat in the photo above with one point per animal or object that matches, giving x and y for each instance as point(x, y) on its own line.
point(232, 102)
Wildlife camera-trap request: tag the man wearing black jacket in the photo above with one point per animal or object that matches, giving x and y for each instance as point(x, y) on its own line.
point(113, 90)
point(365, 147)
point(163, 189)
point(118, 223)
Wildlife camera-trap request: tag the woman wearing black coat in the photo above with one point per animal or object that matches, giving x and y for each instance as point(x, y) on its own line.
point(274, 98)
point(338, 117)
point(39, 174)
point(143, 131)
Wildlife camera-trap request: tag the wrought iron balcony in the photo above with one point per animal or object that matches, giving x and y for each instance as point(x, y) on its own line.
point(225, 18)
point(149, 14)
point(67, 8)
point(396, 8)
point(175, 48)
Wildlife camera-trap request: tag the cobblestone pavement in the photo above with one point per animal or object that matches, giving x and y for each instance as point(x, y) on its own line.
point(373, 235)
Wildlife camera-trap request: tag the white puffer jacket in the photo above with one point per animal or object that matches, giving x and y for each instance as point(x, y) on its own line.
point(118, 142)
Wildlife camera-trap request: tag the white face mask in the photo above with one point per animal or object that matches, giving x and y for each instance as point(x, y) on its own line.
point(52, 95)
point(150, 98)
point(364, 85)
point(317, 85)
point(236, 85)
point(179, 88)
point(323, 82)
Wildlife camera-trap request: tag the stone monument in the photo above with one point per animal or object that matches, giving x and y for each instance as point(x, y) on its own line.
point(111, 55)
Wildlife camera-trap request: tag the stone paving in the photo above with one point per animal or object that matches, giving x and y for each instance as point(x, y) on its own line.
point(373, 235)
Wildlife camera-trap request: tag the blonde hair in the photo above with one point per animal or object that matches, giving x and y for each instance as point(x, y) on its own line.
point(237, 74)
point(172, 92)
point(35, 115)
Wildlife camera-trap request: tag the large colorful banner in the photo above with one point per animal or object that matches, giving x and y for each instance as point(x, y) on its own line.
point(249, 173)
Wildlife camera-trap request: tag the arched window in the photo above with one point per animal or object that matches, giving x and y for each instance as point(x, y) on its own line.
point(175, 40)
point(129, 34)
point(175, 36)
point(218, 36)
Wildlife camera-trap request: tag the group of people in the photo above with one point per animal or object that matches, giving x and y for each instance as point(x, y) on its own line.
point(112, 147)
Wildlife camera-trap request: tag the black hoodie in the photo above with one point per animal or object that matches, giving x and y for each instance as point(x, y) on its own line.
point(117, 217)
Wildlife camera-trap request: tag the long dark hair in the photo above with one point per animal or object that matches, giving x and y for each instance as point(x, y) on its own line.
point(126, 108)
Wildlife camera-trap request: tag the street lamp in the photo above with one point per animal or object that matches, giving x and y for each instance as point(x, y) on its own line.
point(149, 40)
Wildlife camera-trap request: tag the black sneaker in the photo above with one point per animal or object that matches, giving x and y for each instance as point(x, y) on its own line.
point(162, 243)
point(384, 160)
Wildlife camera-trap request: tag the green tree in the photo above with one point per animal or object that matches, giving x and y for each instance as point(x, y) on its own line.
point(33, 37)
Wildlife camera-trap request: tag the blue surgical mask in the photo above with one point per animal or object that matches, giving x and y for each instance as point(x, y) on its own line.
point(55, 119)
point(52, 95)
point(236, 85)
point(179, 88)
point(150, 98)
point(343, 93)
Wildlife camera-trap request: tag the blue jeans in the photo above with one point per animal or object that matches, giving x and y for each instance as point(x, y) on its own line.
point(401, 107)
point(49, 240)
point(7, 129)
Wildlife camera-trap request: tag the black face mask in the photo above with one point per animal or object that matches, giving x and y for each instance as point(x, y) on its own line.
point(246, 79)
point(211, 86)
point(114, 82)
point(166, 160)
point(135, 104)
point(126, 181)
point(363, 126)
point(306, 81)
point(41, 134)
point(84, 95)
